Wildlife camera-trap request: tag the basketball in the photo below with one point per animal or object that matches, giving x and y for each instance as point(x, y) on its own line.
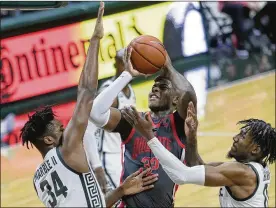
point(148, 54)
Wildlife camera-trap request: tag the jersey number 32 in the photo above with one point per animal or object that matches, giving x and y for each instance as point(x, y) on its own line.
point(59, 188)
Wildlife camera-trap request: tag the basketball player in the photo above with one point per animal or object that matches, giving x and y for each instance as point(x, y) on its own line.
point(170, 92)
point(109, 144)
point(244, 181)
point(64, 178)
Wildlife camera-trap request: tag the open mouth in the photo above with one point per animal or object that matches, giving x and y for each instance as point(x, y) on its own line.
point(154, 97)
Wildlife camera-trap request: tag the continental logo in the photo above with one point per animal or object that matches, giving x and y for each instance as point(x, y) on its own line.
point(50, 60)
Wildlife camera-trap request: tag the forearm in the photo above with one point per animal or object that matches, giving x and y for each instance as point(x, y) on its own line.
point(175, 169)
point(193, 158)
point(100, 111)
point(91, 146)
point(184, 90)
point(191, 155)
point(113, 196)
point(89, 76)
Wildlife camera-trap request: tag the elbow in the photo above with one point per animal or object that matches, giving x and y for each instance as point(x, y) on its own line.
point(179, 181)
point(99, 118)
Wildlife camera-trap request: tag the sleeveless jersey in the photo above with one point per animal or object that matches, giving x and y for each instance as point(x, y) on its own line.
point(138, 155)
point(57, 185)
point(259, 198)
point(111, 142)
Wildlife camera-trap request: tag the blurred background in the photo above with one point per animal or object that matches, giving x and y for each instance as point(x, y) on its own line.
point(225, 49)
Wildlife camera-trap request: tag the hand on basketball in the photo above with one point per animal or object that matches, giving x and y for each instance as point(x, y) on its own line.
point(99, 30)
point(143, 126)
point(128, 65)
point(137, 182)
point(191, 123)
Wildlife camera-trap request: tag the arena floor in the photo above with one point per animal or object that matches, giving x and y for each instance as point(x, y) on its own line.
point(225, 106)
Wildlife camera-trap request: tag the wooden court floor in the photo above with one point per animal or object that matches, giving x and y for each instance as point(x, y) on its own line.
point(224, 108)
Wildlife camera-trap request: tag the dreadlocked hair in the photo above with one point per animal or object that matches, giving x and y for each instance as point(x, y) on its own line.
point(36, 125)
point(264, 135)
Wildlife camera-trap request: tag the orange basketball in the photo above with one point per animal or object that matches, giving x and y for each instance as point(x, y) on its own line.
point(148, 54)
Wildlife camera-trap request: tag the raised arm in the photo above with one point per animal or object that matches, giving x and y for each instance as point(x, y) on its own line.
point(184, 90)
point(87, 90)
point(191, 152)
point(102, 114)
point(190, 126)
point(91, 148)
point(226, 174)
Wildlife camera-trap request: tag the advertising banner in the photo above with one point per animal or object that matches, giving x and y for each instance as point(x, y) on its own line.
point(50, 60)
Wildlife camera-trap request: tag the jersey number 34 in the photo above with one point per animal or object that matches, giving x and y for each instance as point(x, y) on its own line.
point(59, 188)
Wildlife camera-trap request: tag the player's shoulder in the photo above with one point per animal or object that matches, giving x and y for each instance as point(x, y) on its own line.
point(242, 169)
point(235, 164)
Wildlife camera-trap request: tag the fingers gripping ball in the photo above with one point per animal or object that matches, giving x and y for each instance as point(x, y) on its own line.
point(148, 54)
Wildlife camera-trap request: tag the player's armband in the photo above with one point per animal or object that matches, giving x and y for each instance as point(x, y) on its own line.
point(175, 169)
point(100, 112)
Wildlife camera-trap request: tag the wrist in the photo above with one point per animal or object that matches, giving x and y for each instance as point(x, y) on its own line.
point(192, 145)
point(149, 135)
point(126, 74)
point(121, 191)
point(152, 140)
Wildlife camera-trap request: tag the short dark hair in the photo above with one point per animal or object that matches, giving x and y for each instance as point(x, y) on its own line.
point(264, 135)
point(160, 77)
point(37, 125)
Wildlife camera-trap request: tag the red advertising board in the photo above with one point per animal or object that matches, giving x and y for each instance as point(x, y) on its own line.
point(41, 62)
point(50, 60)
point(63, 112)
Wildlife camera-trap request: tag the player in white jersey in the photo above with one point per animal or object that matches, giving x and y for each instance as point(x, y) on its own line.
point(244, 182)
point(109, 144)
point(64, 177)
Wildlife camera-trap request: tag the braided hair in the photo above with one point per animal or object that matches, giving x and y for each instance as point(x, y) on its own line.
point(37, 125)
point(264, 135)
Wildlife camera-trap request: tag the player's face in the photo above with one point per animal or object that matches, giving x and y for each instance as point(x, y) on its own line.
point(242, 146)
point(160, 97)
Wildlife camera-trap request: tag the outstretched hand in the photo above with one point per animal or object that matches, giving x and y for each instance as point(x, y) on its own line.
point(191, 123)
point(128, 65)
point(142, 125)
point(137, 182)
point(99, 30)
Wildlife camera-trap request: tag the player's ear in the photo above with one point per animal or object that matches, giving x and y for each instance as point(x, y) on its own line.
point(48, 140)
point(256, 149)
point(175, 100)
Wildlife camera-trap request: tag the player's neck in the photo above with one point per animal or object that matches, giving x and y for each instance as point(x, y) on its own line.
point(44, 152)
point(159, 114)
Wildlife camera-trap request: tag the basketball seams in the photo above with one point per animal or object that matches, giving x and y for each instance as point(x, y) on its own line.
point(153, 47)
point(145, 58)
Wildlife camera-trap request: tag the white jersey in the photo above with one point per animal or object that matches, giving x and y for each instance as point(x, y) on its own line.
point(57, 185)
point(259, 198)
point(107, 141)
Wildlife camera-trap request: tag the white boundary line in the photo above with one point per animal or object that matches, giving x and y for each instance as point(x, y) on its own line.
point(243, 81)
